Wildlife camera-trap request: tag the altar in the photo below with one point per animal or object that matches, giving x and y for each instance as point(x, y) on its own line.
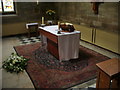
point(64, 46)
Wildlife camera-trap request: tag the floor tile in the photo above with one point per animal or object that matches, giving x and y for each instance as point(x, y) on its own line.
point(24, 40)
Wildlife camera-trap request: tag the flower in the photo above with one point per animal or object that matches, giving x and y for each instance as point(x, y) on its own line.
point(50, 12)
point(15, 63)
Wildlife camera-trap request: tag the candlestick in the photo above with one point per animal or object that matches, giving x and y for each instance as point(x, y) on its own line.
point(42, 20)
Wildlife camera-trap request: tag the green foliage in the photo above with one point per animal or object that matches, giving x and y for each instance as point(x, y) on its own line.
point(15, 63)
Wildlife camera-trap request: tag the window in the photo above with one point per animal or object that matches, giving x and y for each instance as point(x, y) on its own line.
point(0, 6)
point(7, 7)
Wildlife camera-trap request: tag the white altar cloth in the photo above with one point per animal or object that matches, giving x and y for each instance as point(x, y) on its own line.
point(68, 42)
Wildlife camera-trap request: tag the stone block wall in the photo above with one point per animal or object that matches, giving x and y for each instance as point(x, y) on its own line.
point(26, 12)
point(73, 12)
point(82, 13)
point(29, 12)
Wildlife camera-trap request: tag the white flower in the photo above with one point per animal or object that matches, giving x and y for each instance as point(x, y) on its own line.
point(5, 66)
point(16, 60)
point(11, 64)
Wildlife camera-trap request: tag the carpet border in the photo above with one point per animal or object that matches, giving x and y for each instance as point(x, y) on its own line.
point(82, 82)
point(26, 70)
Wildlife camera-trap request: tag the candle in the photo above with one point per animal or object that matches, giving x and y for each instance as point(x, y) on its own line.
point(58, 25)
point(42, 20)
point(37, 2)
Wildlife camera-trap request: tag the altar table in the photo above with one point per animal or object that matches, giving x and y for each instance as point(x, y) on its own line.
point(64, 46)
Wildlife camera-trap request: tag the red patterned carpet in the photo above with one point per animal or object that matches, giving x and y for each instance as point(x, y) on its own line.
point(46, 71)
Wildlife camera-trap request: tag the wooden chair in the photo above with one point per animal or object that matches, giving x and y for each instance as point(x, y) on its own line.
point(32, 27)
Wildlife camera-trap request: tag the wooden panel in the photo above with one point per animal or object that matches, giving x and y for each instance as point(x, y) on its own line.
point(14, 28)
point(107, 40)
point(104, 80)
point(52, 43)
point(106, 74)
point(115, 83)
point(86, 32)
point(105, 66)
point(98, 78)
point(52, 48)
point(50, 36)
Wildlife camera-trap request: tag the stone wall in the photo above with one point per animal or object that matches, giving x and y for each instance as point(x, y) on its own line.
point(26, 12)
point(82, 13)
point(44, 6)
point(74, 12)
point(29, 12)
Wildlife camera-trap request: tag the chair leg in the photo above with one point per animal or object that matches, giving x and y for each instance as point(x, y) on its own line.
point(28, 33)
point(36, 29)
point(37, 33)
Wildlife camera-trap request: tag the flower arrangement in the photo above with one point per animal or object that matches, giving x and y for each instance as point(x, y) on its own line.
point(50, 12)
point(15, 63)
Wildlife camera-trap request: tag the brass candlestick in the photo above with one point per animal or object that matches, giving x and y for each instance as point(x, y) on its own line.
point(58, 28)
